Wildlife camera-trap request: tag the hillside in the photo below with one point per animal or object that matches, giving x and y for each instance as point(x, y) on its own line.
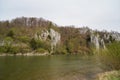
point(37, 35)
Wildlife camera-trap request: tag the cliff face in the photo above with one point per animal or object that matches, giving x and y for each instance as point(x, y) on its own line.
point(100, 39)
point(112, 36)
point(97, 41)
point(52, 35)
point(55, 38)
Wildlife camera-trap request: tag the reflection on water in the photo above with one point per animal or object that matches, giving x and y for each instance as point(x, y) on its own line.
point(59, 67)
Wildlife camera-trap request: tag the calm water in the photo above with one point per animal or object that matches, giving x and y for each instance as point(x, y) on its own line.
point(48, 67)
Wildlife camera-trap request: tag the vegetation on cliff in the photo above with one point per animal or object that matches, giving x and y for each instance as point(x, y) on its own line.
point(23, 35)
point(110, 57)
point(18, 36)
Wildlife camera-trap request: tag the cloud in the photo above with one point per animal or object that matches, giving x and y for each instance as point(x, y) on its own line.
point(98, 14)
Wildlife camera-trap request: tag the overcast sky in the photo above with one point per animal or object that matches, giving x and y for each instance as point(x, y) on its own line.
point(96, 14)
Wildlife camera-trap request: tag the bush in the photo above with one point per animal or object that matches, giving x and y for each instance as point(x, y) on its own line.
point(14, 50)
point(2, 49)
point(41, 50)
point(110, 75)
point(33, 44)
point(111, 57)
point(61, 50)
point(25, 50)
point(10, 33)
point(70, 47)
point(24, 39)
point(36, 44)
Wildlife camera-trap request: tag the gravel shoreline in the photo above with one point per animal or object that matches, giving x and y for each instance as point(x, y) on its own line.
point(25, 54)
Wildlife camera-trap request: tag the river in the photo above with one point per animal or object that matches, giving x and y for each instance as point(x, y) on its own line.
point(59, 67)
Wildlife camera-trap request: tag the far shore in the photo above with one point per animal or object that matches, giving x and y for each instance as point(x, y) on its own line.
point(24, 54)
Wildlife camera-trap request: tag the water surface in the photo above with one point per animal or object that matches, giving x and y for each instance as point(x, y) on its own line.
point(72, 67)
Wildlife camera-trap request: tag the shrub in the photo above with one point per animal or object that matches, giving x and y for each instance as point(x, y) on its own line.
point(14, 50)
point(110, 75)
point(70, 47)
point(24, 39)
point(36, 44)
point(41, 50)
point(2, 49)
point(111, 57)
point(10, 33)
point(33, 44)
point(61, 50)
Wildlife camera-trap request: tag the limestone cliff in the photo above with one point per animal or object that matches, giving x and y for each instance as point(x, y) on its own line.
point(54, 37)
point(100, 39)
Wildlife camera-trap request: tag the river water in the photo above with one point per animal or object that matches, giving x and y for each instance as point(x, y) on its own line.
point(60, 67)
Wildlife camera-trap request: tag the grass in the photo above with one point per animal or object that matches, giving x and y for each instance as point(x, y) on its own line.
point(110, 57)
point(111, 75)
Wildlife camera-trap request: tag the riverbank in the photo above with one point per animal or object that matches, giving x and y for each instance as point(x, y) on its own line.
point(25, 54)
point(110, 75)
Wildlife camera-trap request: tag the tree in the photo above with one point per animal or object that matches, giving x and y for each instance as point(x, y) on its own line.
point(10, 34)
point(8, 43)
point(33, 44)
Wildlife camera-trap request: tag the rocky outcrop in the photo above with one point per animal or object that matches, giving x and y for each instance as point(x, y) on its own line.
point(101, 38)
point(53, 36)
point(111, 36)
point(115, 36)
point(42, 35)
point(97, 41)
point(95, 38)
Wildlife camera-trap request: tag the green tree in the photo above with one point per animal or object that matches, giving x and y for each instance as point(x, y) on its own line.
point(24, 39)
point(8, 43)
point(33, 44)
point(70, 47)
point(10, 34)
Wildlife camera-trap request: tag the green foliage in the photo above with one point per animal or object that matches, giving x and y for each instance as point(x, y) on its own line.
point(110, 75)
point(22, 29)
point(24, 39)
point(41, 50)
point(10, 33)
point(10, 49)
point(75, 42)
point(2, 49)
point(70, 47)
point(25, 50)
point(111, 56)
point(8, 43)
point(14, 50)
point(8, 39)
point(61, 49)
point(35, 44)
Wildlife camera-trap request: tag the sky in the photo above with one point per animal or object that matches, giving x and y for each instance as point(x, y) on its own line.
point(96, 14)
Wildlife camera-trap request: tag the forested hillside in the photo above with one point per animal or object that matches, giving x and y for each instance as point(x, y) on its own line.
point(37, 35)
